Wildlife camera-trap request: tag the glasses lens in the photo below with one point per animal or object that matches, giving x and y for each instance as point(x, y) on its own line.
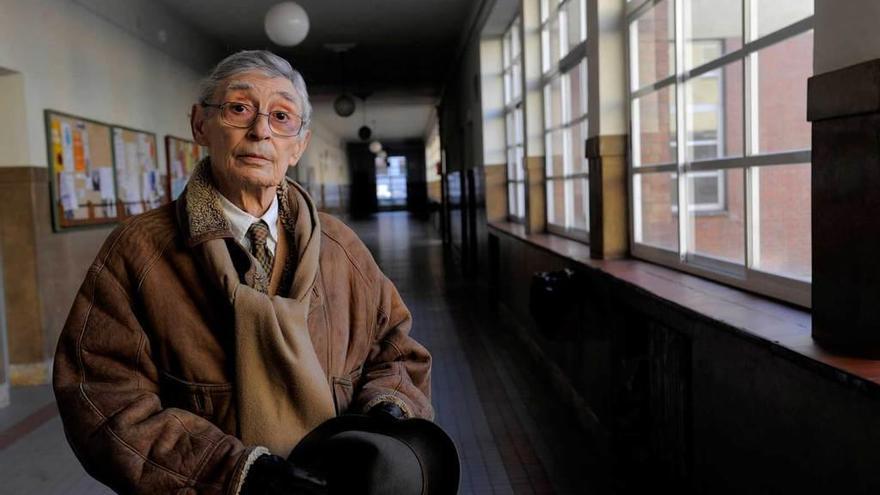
point(238, 114)
point(284, 123)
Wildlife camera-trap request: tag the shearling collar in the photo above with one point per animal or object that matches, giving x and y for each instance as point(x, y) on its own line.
point(201, 219)
point(201, 213)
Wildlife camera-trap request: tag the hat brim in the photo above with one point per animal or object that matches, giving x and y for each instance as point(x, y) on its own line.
point(436, 450)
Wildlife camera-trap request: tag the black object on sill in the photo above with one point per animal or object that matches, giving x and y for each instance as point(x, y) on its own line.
point(552, 302)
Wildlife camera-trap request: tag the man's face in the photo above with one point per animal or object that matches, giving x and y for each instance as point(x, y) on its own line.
point(254, 157)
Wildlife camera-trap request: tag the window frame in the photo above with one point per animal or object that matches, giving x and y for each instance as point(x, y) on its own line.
point(745, 276)
point(514, 139)
point(574, 59)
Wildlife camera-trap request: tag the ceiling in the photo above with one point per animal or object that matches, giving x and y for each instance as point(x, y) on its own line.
point(388, 117)
point(402, 47)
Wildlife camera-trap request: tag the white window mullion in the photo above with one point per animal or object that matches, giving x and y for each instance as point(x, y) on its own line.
point(750, 134)
point(684, 243)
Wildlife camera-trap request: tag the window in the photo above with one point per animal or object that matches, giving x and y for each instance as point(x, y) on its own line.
point(720, 148)
point(564, 77)
point(391, 181)
point(513, 120)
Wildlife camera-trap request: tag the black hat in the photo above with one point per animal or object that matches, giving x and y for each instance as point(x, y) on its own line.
point(365, 455)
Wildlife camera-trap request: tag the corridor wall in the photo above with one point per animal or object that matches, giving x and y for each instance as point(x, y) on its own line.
point(686, 383)
point(80, 60)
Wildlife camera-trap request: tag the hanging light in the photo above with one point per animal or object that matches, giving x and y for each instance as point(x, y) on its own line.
point(364, 133)
point(375, 146)
point(344, 105)
point(286, 23)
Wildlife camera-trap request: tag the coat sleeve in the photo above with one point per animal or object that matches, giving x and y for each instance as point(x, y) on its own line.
point(106, 387)
point(397, 369)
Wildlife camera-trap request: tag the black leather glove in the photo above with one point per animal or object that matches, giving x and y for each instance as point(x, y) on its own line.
point(272, 475)
point(387, 410)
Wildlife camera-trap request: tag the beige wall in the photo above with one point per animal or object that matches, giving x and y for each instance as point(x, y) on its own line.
point(325, 160)
point(73, 61)
point(79, 58)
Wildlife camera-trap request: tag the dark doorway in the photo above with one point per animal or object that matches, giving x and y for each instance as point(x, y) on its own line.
point(409, 158)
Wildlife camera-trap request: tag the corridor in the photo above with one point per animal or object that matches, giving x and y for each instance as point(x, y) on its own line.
point(512, 436)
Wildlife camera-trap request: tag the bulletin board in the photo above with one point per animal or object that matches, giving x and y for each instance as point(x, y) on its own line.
point(82, 178)
point(182, 156)
point(141, 184)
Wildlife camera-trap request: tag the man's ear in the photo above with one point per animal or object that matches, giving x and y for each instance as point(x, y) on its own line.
point(197, 124)
point(303, 144)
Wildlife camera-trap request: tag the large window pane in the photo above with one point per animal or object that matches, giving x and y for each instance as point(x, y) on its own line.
point(656, 220)
point(654, 126)
point(555, 153)
point(718, 21)
point(716, 215)
point(516, 79)
point(511, 199)
point(652, 44)
point(783, 70)
point(578, 162)
point(715, 114)
point(556, 202)
point(515, 47)
point(518, 125)
point(521, 199)
point(519, 173)
point(776, 14)
point(576, 87)
point(555, 54)
point(553, 103)
point(511, 164)
point(576, 27)
point(784, 221)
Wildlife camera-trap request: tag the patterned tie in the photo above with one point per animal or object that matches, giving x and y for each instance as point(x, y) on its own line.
point(258, 233)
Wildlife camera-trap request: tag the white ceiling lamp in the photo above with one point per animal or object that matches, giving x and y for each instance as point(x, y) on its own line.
point(286, 24)
point(375, 147)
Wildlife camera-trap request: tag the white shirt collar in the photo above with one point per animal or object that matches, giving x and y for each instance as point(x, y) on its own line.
point(240, 221)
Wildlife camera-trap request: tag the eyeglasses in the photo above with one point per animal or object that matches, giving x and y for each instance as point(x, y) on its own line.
point(243, 116)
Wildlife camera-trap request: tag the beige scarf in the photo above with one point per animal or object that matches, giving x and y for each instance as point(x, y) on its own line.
point(281, 389)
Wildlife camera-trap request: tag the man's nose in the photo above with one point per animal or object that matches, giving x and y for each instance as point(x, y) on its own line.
point(260, 127)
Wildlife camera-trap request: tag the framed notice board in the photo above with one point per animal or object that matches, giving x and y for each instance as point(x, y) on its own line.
point(141, 184)
point(81, 171)
point(182, 156)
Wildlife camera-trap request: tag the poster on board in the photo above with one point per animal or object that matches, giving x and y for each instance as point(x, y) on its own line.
point(141, 182)
point(182, 156)
point(82, 179)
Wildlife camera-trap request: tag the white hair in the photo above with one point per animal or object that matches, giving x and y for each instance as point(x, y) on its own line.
point(264, 61)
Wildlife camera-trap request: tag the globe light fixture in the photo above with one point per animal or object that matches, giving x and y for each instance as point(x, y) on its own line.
point(286, 24)
point(344, 105)
point(364, 133)
point(375, 147)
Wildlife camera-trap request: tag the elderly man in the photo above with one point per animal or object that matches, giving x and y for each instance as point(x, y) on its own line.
point(212, 334)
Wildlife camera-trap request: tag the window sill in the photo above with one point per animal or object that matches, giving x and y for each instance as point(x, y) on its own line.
point(783, 329)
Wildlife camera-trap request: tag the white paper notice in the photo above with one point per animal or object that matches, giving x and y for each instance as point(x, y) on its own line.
point(87, 153)
point(146, 160)
point(108, 189)
point(176, 169)
point(67, 146)
point(147, 184)
point(67, 193)
point(119, 150)
point(132, 188)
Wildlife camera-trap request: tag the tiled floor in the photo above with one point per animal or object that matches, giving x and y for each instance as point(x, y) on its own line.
point(512, 436)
